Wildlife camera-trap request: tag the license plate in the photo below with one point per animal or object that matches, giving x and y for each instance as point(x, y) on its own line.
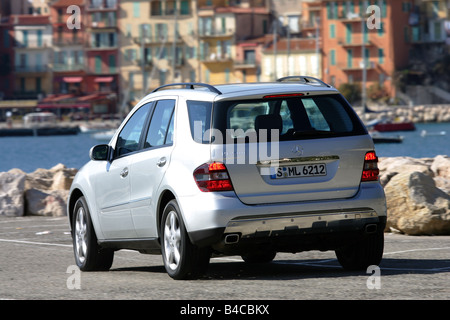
point(307, 170)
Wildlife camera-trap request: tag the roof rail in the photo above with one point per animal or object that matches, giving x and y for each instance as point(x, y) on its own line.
point(190, 85)
point(304, 79)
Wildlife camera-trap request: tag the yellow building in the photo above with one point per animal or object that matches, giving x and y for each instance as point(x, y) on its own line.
point(225, 29)
point(157, 44)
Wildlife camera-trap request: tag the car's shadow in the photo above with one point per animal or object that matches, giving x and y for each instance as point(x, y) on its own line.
point(305, 269)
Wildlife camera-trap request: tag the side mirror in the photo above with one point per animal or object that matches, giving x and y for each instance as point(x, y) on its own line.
point(99, 152)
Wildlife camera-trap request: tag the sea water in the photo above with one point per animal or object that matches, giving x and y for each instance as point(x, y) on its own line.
point(31, 153)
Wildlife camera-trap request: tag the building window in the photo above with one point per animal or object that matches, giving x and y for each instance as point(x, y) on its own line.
point(112, 64)
point(156, 8)
point(332, 31)
point(25, 38)
point(38, 84)
point(333, 57)
point(6, 39)
point(406, 6)
point(39, 38)
point(136, 9)
point(184, 9)
point(381, 30)
point(98, 64)
point(349, 58)
point(380, 56)
point(348, 33)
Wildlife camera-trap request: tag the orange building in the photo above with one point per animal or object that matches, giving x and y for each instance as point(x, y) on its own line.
point(350, 34)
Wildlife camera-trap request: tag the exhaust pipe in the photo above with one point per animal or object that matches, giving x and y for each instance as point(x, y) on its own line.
point(231, 238)
point(371, 228)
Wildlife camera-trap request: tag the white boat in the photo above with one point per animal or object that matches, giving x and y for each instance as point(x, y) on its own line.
point(104, 135)
point(425, 133)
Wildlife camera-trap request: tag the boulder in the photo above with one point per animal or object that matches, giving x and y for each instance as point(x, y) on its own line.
point(46, 191)
point(389, 167)
point(441, 166)
point(416, 206)
point(46, 203)
point(12, 187)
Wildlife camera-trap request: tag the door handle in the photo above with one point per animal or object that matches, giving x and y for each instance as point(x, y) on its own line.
point(161, 162)
point(124, 173)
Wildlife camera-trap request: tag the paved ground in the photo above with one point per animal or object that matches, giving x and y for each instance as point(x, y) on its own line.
point(36, 262)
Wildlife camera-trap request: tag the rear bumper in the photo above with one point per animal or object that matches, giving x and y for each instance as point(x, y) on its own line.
point(293, 233)
point(210, 218)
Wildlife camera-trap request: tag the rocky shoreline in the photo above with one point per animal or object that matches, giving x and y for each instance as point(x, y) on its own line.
point(417, 193)
point(416, 114)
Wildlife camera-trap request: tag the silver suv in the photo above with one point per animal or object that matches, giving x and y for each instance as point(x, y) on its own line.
point(241, 169)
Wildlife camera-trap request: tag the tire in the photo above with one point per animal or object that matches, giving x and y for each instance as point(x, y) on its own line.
point(260, 257)
point(181, 258)
point(363, 253)
point(89, 256)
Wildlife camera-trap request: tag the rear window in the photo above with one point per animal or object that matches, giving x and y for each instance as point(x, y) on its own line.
point(296, 118)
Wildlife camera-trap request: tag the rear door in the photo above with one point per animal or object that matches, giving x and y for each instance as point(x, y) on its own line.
point(284, 149)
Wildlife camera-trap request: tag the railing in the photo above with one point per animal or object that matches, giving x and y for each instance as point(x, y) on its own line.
point(357, 65)
point(355, 40)
point(59, 67)
point(31, 69)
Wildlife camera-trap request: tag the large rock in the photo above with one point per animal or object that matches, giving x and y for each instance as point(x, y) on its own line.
point(47, 191)
point(12, 186)
point(389, 167)
point(46, 203)
point(441, 166)
point(416, 206)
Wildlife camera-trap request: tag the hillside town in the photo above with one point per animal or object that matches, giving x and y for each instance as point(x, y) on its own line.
point(99, 57)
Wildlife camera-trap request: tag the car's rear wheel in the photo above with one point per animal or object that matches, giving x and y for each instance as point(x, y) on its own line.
point(363, 253)
point(89, 256)
point(182, 259)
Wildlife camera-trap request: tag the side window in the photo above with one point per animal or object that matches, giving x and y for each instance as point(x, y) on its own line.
point(128, 140)
point(159, 125)
point(199, 119)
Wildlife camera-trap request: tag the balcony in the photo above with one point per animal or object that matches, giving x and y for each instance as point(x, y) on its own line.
point(157, 40)
point(106, 23)
point(95, 47)
point(214, 57)
point(355, 41)
point(68, 41)
point(357, 65)
point(213, 33)
point(33, 45)
point(147, 64)
point(101, 5)
point(245, 64)
point(31, 69)
point(62, 67)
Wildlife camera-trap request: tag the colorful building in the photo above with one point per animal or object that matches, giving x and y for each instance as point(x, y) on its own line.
point(158, 44)
point(32, 55)
point(227, 45)
point(69, 38)
point(355, 53)
point(102, 55)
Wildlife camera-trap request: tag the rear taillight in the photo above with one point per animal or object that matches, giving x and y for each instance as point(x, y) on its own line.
point(213, 177)
point(370, 170)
